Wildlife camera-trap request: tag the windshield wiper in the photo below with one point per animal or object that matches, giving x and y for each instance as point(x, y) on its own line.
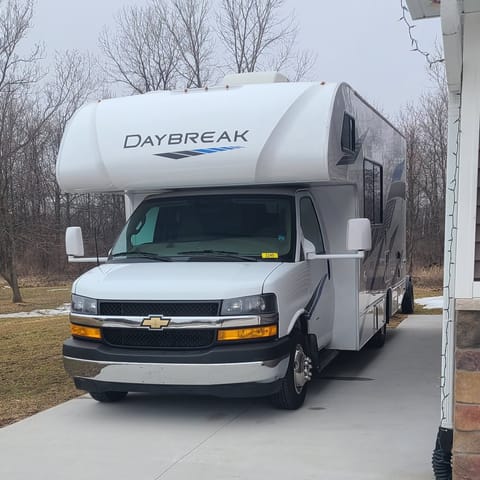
point(149, 255)
point(219, 253)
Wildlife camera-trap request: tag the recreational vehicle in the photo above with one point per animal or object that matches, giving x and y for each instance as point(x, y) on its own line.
point(265, 232)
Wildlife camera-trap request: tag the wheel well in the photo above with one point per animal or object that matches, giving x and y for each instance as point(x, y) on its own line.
point(299, 324)
point(302, 324)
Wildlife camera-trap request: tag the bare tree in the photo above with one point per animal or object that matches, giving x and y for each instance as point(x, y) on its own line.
point(142, 53)
point(189, 27)
point(17, 73)
point(256, 35)
point(169, 43)
point(424, 125)
point(75, 72)
point(29, 106)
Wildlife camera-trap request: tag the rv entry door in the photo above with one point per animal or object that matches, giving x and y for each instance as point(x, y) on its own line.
point(320, 306)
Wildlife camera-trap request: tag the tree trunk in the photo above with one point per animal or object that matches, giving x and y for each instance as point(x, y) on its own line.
point(8, 272)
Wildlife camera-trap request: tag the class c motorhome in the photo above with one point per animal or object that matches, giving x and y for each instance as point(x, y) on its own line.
point(265, 232)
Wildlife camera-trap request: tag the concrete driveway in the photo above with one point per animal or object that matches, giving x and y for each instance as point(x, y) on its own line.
point(374, 415)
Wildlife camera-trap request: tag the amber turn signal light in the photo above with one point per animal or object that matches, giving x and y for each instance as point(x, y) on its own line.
point(247, 333)
point(85, 332)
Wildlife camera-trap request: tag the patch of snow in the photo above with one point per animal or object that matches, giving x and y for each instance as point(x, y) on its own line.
point(47, 312)
point(430, 302)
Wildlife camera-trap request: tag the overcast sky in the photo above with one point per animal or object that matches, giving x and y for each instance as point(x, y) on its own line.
point(361, 42)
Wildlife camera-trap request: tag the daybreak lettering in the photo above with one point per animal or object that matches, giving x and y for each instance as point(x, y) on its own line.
point(148, 141)
point(137, 140)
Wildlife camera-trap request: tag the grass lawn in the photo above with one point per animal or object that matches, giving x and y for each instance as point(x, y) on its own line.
point(32, 377)
point(34, 298)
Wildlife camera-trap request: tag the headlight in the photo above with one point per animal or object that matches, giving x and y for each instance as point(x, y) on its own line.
point(84, 305)
point(251, 305)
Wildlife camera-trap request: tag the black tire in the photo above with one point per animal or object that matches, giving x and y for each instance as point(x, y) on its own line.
point(108, 397)
point(408, 301)
point(291, 395)
point(388, 307)
point(378, 340)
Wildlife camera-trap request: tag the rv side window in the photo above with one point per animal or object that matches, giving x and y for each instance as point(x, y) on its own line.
point(348, 133)
point(309, 224)
point(373, 191)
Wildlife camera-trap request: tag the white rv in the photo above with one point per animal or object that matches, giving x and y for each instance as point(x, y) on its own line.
point(265, 231)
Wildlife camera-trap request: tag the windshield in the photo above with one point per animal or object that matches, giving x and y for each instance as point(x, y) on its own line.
point(210, 228)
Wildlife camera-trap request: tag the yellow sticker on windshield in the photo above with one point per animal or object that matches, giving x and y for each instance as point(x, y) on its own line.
point(269, 255)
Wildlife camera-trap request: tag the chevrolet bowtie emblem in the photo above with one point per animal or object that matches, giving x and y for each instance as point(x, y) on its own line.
point(155, 322)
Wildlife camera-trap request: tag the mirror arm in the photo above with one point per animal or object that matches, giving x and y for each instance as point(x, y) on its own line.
point(72, 259)
point(333, 256)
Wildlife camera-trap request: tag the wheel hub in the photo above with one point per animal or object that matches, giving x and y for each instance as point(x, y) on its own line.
point(302, 368)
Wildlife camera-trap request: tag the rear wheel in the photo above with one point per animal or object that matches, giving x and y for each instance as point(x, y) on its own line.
point(408, 301)
point(108, 397)
point(294, 385)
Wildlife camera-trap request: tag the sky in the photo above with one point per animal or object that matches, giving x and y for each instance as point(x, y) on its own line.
point(361, 42)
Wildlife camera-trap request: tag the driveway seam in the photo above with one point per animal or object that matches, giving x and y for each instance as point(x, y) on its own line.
point(205, 440)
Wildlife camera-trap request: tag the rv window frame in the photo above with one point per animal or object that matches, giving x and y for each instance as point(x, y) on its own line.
point(289, 257)
point(365, 213)
point(352, 135)
point(320, 229)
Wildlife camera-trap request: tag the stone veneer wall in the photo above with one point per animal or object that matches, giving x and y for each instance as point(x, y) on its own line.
point(466, 437)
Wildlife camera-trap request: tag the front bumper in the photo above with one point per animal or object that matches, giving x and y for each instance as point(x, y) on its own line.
point(231, 370)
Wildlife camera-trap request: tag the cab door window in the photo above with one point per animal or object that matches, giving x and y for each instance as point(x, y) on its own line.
point(373, 191)
point(310, 225)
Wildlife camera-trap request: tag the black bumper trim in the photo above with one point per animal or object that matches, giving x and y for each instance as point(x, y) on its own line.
point(240, 390)
point(254, 352)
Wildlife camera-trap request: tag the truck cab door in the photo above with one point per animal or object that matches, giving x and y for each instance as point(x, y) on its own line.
point(321, 304)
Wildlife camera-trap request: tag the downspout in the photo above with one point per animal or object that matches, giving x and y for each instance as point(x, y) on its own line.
point(452, 41)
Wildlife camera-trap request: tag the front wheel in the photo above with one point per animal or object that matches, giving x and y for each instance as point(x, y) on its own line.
point(294, 385)
point(108, 397)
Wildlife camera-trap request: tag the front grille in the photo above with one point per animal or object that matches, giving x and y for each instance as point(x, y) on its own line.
point(168, 309)
point(164, 339)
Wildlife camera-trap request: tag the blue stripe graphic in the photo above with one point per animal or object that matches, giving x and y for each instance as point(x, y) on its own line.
point(198, 151)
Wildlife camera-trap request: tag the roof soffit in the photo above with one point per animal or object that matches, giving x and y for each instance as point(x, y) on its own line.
point(424, 8)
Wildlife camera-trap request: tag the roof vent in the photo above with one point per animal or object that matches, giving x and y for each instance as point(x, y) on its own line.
point(246, 78)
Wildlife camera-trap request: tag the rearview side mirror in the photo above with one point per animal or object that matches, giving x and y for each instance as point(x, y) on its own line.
point(359, 234)
point(74, 242)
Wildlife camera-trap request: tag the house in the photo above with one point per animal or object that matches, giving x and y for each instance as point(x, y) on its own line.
point(460, 384)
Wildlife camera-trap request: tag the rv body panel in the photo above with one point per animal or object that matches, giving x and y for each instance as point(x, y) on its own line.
point(134, 145)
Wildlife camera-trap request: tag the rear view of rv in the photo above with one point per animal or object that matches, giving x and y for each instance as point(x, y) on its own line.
point(265, 232)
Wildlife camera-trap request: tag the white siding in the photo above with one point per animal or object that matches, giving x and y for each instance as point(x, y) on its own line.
point(469, 141)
